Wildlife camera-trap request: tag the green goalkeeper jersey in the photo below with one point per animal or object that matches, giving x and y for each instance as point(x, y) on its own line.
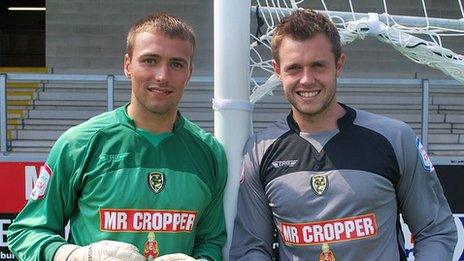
point(112, 181)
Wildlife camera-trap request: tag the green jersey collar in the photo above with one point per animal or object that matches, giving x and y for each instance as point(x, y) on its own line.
point(124, 118)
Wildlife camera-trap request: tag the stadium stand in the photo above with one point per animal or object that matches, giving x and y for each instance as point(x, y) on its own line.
point(59, 106)
point(20, 96)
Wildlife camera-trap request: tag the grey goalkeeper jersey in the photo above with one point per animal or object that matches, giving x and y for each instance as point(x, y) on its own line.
point(337, 195)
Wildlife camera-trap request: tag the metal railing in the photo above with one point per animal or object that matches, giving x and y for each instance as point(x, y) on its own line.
point(112, 80)
point(46, 78)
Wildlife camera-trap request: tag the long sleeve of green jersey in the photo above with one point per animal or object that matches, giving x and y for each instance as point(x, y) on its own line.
point(38, 230)
point(211, 233)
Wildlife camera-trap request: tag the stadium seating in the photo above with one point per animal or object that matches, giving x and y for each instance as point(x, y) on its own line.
point(59, 106)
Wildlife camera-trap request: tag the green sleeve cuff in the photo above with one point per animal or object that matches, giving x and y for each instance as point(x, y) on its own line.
point(51, 249)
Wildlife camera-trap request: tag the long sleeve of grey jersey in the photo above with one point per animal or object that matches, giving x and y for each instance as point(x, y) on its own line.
point(253, 229)
point(423, 204)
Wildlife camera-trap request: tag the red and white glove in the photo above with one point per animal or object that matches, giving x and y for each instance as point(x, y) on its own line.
point(99, 251)
point(177, 257)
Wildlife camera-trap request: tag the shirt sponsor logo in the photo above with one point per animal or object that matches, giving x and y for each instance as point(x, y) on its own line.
point(426, 162)
point(41, 184)
point(284, 163)
point(151, 248)
point(329, 231)
point(133, 220)
point(326, 254)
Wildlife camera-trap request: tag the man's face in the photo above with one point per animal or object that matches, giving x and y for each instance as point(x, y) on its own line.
point(309, 74)
point(159, 69)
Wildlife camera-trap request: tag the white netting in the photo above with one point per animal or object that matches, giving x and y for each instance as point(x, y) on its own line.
point(418, 38)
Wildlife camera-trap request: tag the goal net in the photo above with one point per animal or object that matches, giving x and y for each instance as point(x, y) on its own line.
point(421, 38)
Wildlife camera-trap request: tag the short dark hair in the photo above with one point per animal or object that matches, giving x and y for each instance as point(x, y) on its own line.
point(164, 24)
point(303, 24)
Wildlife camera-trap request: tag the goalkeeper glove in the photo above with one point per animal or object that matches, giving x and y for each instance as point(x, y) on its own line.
point(102, 250)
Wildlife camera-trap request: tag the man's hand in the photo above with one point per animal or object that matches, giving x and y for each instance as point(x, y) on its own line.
point(102, 250)
point(176, 257)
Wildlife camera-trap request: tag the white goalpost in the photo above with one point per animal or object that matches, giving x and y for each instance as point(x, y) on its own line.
point(243, 64)
point(232, 109)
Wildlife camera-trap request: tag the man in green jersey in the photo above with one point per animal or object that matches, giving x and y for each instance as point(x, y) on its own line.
point(138, 182)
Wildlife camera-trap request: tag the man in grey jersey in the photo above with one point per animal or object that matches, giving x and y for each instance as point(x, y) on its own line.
point(330, 179)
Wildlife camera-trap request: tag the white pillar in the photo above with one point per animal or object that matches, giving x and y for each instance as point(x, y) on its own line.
point(231, 82)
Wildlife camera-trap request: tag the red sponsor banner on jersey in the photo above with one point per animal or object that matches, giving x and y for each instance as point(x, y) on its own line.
point(16, 182)
point(147, 220)
point(329, 231)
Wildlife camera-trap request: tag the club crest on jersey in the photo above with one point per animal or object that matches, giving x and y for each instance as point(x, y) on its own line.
point(156, 181)
point(319, 184)
point(426, 162)
point(326, 253)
